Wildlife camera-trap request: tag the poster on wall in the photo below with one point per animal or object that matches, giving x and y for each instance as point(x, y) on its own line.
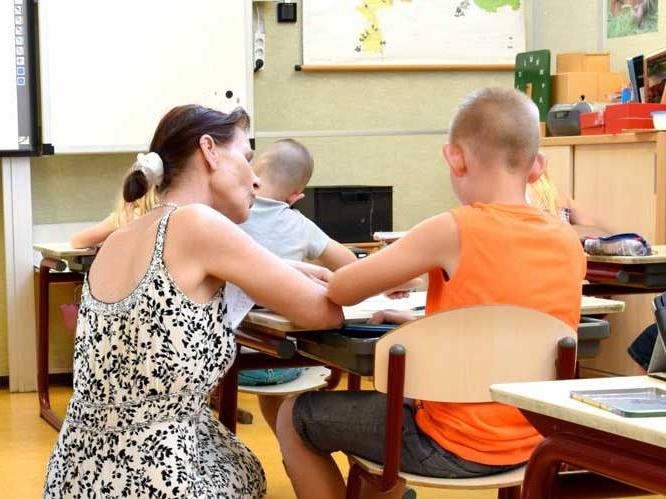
point(632, 17)
point(412, 32)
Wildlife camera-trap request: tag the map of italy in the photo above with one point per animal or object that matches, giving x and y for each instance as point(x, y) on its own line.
point(371, 39)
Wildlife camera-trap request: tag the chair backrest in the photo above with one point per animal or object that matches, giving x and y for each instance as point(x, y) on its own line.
point(455, 356)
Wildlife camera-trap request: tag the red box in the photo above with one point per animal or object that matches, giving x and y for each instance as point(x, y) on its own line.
point(592, 123)
point(616, 118)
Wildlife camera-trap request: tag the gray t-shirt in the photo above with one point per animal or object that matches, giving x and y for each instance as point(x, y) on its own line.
point(284, 231)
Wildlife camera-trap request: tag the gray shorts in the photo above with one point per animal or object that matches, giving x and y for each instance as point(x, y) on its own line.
point(353, 422)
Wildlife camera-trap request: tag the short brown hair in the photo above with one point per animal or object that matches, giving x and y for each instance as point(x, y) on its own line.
point(177, 137)
point(500, 123)
point(287, 164)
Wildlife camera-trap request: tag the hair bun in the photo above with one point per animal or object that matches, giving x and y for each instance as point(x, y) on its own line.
point(152, 166)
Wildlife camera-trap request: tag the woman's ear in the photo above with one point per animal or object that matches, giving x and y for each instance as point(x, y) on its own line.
point(538, 168)
point(454, 156)
point(209, 151)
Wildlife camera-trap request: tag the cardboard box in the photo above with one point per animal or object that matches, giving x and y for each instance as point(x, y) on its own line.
point(609, 85)
point(579, 62)
point(567, 88)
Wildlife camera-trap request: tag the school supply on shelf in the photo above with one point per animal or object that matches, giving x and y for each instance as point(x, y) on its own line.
point(628, 244)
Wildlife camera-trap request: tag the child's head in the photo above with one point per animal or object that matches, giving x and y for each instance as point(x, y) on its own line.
point(285, 169)
point(494, 136)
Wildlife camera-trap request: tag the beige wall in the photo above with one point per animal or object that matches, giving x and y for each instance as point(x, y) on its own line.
point(83, 187)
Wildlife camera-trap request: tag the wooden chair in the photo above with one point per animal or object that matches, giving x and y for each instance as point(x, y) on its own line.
point(455, 356)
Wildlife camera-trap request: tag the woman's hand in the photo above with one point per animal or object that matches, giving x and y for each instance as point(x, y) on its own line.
point(321, 275)
point(391, 317)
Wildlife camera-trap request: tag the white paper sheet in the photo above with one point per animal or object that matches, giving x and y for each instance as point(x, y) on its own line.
point(238, 304)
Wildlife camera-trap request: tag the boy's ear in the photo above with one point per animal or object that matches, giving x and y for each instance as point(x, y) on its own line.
point(454, 156)
point(209, 150)
point(538, 167)
point(292, 199)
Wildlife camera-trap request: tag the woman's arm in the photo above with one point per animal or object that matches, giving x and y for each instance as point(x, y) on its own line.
point(218, 248)
point(93, 236)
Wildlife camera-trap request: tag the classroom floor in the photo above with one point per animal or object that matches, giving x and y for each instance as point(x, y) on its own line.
point(26, 442)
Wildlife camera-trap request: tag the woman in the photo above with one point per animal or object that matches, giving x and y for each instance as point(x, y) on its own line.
point(153, 337)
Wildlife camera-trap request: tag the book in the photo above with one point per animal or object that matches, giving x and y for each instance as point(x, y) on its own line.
point(635, 67)
point(654, 69)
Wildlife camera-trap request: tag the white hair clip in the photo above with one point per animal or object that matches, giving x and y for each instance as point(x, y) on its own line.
point(152, 167)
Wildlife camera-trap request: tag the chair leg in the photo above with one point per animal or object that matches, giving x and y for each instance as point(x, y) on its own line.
point(354, 482)
point(509, 493)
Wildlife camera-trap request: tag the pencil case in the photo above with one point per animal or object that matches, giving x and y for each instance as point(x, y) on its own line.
point(627, 244)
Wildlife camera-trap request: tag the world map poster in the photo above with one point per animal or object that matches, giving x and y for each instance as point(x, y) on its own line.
point(412, 32)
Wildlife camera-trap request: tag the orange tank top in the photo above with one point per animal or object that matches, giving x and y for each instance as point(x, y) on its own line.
point(508, 255)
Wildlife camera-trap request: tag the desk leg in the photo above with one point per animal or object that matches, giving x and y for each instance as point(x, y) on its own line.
point(228, 399)
point(599, 456)
point(45, 410)
point(353, 382)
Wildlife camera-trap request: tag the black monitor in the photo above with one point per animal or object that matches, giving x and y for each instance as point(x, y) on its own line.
point(18, 79)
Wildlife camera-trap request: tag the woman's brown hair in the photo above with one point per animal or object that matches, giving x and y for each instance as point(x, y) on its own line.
point(177, 137)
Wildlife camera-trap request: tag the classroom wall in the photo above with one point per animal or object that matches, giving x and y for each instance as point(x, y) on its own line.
point(75, 188)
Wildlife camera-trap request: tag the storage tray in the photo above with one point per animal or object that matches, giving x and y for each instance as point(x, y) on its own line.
point(627, 402)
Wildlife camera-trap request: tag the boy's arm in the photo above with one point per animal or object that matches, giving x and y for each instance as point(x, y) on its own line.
point(433, 243)
point(335, 256)
point(92, 236)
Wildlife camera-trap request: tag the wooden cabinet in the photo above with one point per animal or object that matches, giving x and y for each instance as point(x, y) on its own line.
point(620, 180)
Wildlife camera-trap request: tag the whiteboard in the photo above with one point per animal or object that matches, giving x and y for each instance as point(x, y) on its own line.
point(18, 120)
point(412, 32)
point(110, 69)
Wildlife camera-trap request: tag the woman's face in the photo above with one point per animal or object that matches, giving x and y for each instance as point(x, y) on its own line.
point(234, 182)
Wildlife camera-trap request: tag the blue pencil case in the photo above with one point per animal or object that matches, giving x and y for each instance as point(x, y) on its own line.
point(626, 244)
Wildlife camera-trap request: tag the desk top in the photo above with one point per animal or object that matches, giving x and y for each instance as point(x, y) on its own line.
point(363, 311)
point(658, 256)
point(59, 251)
point(552, 398)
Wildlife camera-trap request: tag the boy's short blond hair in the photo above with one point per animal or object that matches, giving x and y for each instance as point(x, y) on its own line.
point(498, 124)
point(287, 165)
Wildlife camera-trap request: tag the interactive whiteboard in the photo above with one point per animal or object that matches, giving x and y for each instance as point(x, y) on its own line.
point(110, 69)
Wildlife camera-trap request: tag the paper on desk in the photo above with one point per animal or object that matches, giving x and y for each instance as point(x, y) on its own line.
point(238, 304)
point(364, 310)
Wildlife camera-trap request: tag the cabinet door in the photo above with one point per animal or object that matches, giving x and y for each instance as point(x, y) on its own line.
point(615, 184)
point(560, 167)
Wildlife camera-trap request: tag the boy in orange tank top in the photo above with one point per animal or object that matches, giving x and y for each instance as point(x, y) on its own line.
point(494, 249)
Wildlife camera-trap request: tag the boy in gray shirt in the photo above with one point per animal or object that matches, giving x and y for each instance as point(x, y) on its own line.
point(285, 169)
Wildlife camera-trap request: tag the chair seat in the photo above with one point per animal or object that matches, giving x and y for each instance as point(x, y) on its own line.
point(497, 481)
point(312, 378)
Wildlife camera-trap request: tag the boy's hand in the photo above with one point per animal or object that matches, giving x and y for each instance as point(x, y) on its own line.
point(391, 317)
point(320, 275)
point(404, 289)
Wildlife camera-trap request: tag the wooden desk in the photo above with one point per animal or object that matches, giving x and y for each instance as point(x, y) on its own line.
point(60, 263)
point(260, 325)
point(629, 450)
point(627, 274)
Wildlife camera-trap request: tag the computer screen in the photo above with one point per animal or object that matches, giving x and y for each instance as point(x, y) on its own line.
point(18, 123)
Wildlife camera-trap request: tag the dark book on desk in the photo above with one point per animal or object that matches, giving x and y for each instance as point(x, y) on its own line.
point(635, 68)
